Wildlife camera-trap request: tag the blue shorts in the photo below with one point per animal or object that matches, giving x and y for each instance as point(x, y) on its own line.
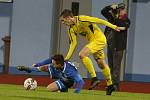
point(64, 85)
point(60, 84)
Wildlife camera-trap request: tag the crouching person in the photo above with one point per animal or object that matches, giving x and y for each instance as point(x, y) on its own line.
point(64, 72)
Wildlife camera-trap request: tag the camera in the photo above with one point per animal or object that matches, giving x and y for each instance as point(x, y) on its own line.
point(120, 6)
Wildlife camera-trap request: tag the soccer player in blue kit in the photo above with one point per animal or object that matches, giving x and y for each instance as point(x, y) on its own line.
point(64, 71)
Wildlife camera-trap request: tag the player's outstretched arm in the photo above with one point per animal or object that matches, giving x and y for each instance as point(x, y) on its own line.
point(24, 68)
point(32, 69)
point(79, 83)
point(44, 62)
point(98, 21)
point(120, 28)
point(73, 43)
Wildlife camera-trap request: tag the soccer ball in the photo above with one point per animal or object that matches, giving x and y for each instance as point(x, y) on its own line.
point(30, 84)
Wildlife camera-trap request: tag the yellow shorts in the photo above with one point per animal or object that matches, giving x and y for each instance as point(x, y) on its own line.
point(97, 49)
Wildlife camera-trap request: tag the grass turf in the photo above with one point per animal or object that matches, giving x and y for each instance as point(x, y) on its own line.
point(17, 92)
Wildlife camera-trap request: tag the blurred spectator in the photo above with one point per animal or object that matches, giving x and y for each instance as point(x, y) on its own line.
point(116, 14)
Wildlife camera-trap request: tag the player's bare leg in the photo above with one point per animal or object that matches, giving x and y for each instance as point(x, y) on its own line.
point(52, 87)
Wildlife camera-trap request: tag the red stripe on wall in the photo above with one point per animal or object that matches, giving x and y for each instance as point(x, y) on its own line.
point(136, 87)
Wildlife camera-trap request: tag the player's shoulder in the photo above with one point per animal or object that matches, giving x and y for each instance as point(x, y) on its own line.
point(69, 63)
point(83, 17)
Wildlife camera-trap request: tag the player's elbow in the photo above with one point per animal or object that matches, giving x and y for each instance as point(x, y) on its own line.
point(82, 55)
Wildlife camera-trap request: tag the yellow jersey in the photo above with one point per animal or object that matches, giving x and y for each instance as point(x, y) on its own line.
point(87, 27)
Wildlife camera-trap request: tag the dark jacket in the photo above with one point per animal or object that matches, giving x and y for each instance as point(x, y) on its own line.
point(116, 40)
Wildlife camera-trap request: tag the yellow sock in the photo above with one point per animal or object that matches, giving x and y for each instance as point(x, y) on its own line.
point(89, 66)
point(107, 75)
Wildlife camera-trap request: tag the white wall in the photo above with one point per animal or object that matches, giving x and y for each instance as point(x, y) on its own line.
point(31, 31)
point(139, 39)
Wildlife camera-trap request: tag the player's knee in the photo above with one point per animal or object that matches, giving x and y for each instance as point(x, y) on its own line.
point(48, 88)
point(101, 63)
point(81, 55)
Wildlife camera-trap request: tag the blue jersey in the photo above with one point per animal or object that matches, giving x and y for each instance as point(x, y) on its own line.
point(69, 71)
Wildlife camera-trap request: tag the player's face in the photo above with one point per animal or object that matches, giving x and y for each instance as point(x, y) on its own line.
point(66, 20)
point(54, 64)
point(122, 12)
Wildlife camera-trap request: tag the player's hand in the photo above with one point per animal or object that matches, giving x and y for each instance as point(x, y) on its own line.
point(122, 28)
point(77, 91)
point(117, 29)
point(66, 59)
point(114, 6)
point(33, 65)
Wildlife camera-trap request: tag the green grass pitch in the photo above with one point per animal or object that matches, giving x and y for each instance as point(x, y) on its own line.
point(17, 92)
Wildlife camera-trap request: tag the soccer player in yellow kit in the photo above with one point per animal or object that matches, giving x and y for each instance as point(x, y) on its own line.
point(86, 26)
